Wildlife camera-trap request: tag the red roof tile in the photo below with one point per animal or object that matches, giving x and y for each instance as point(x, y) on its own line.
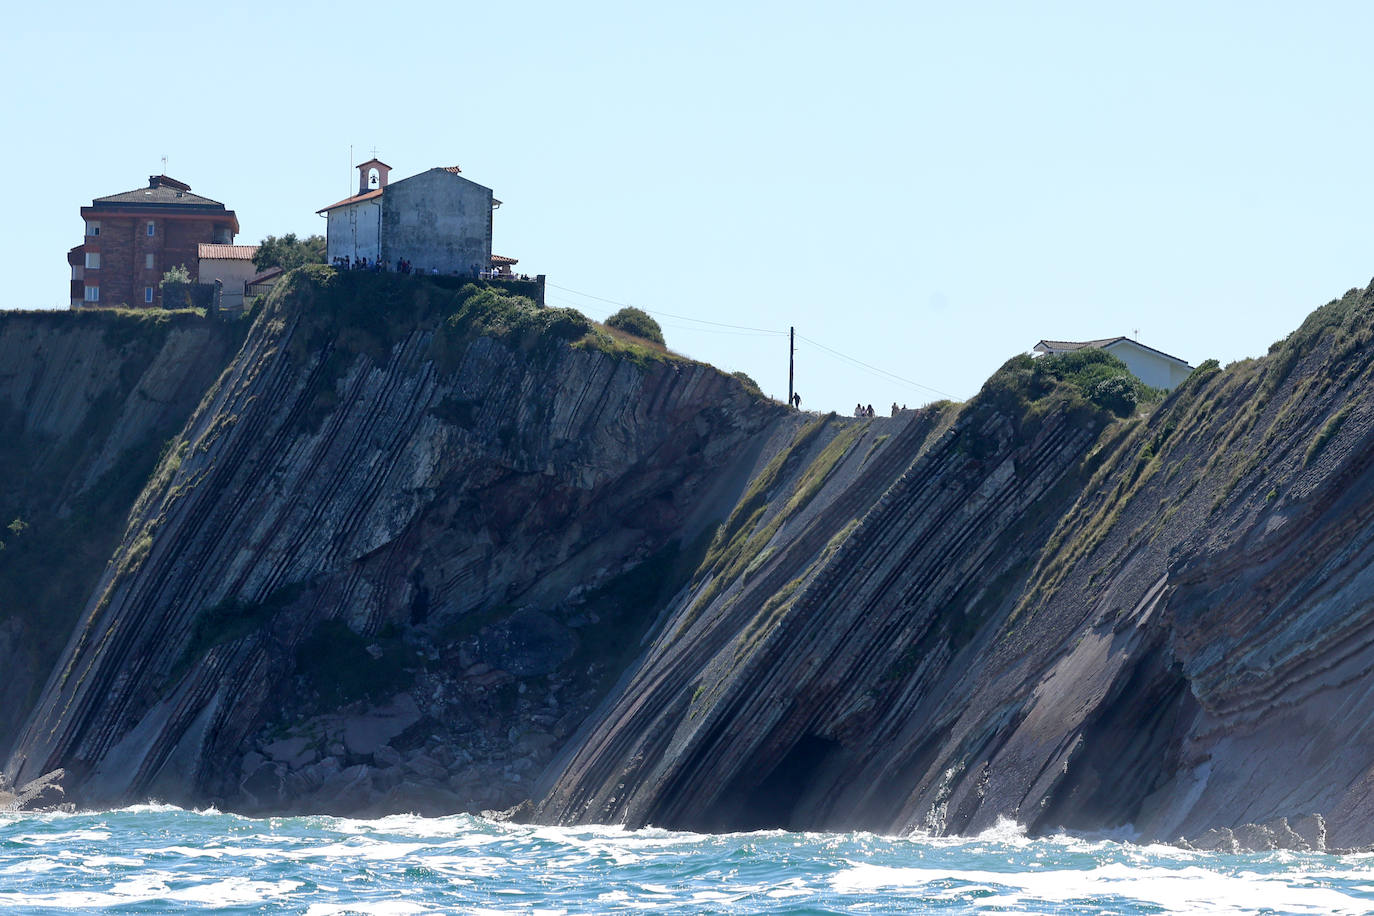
point(356, 198)
point(226, 252)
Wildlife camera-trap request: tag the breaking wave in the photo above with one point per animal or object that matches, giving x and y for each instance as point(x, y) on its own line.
point(155, 858)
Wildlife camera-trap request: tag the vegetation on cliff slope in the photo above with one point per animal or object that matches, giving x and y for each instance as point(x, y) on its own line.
point(347, 313)
point(363, 312)
point(637, 322)
point(289, 252)
point(1221, 430)
point(64, 520)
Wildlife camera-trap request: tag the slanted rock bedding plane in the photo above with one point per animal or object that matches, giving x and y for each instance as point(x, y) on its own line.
point(405, 544)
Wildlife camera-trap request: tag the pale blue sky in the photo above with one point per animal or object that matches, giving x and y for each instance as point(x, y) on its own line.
point(927, 188)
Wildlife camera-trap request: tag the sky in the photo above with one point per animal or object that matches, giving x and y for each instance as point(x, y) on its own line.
point(922, 190)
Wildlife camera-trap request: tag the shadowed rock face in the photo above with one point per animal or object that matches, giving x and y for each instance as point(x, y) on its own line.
point(88, 402)
point(388, 493)
point(1162, 626)
point(424, 549)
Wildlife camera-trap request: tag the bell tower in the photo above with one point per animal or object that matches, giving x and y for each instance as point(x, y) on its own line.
point(372, 175)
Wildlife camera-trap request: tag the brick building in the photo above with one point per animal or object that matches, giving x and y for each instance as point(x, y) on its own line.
point(133, 238)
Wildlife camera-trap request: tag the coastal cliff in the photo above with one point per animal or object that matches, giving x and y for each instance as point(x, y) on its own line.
point(391, 501)
point(1158, 624)
point(88, 402)
point(427, 546)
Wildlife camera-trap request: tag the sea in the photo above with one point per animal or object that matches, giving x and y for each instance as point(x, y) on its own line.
point(162, 859)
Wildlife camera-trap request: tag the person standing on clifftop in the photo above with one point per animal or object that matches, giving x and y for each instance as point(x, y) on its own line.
point(796, 400)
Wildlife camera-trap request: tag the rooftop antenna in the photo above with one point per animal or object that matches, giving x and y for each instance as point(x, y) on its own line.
point(1136, 332)
point(164, 163)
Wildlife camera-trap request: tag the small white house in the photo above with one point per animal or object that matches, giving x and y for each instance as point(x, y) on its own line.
point(1153, 367)
point(436, 220)
point(232, 264)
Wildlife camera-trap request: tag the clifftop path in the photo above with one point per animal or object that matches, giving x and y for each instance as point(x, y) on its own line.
point(424, 546)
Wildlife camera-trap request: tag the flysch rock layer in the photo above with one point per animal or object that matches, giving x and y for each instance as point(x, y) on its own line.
point(1163, 627)
point(378, 491)
point(88, 403)
point(398, 563)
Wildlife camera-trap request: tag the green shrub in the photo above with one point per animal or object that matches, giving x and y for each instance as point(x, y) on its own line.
point(1116, 394)
point(749, 384)
point(637, 322)
point(1095, 375)
point(176, 288)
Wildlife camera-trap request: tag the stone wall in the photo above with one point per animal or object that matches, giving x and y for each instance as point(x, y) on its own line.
point(355, 231)
point(437, 220)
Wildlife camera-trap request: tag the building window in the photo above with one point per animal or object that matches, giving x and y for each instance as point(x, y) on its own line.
point(152, 228)
point(147, 262)
point(147, 294)
point(92, 260)
point(76, 272)
point(92, 294)
point(92, 227)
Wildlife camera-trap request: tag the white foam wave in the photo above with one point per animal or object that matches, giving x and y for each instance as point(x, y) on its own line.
point(377, 908)
point(1189, 889)
point(63, 838)
point(154, 888)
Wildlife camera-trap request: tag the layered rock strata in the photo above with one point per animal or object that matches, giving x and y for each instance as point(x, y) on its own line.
point(350, 517)
point(1160, 628)
point(430, 548)
point(89, 400)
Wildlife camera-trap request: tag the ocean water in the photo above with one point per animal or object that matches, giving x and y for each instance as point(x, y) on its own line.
point(156, 859)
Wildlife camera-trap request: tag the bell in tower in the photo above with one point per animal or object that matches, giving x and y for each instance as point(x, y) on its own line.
point(372, 175)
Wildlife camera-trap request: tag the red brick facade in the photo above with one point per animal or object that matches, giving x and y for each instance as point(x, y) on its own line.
point(131, 260)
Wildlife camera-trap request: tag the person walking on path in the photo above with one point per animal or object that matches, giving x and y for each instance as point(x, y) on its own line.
point(796, 400)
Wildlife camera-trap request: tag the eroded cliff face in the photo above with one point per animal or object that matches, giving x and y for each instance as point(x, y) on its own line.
point(88, 402)
point(1159, 625)
point(431, 548)
point(392, 501)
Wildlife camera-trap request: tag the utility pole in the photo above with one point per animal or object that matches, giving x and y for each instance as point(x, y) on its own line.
point(791, 361)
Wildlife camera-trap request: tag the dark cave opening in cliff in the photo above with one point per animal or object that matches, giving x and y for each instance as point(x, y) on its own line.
point(778, 801)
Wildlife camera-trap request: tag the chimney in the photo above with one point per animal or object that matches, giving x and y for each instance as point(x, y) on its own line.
point(162, 181)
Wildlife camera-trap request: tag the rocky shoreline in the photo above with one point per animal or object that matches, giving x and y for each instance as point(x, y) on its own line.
point(427, 548)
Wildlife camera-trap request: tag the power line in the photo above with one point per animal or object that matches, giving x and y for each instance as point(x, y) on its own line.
point(881, 372)
point(751, 331)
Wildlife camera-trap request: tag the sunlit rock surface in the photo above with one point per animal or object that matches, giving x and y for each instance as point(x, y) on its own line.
point(426, 548)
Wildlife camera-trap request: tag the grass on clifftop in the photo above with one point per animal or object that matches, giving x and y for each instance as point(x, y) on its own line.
point(1222, 437)
point(365, 312)
point(1093, 375)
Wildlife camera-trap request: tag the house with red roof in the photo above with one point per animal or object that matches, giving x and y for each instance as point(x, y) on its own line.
point(1153, 367)
point(232, 265)
point(437, 220)
point(134, 237)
